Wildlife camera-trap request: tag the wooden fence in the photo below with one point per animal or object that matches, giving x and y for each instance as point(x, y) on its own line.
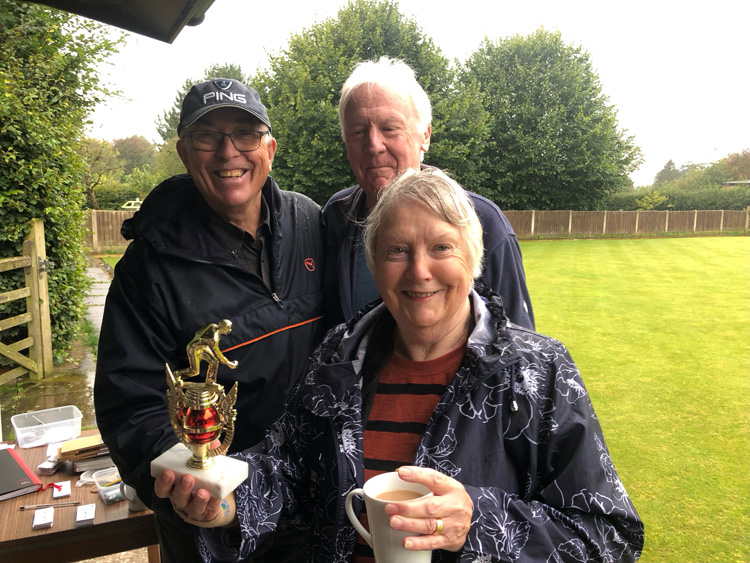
point(602, 223)
point(38, 363)
point(104, 226)
point(103, 231)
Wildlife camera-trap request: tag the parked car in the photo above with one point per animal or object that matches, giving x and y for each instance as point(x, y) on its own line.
point(135, 204)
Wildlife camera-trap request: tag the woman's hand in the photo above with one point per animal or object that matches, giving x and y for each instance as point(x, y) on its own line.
point(195, 507)
point(445, 518)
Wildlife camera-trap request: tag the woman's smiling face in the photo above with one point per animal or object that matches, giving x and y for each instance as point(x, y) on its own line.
point(421, 270)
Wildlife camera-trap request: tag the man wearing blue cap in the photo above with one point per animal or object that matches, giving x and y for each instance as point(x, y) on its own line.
point(221, 242)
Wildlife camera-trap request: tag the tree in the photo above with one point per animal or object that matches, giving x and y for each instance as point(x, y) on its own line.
point(48, 87)
point(135, 152)
point(166, 125)
point(301, 90)
point(666, 174)
point(101, 161)
point(555, 141)
point(166, 161)
point(738, 165)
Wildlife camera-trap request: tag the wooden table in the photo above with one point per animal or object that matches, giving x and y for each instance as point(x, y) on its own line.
point(115, 528)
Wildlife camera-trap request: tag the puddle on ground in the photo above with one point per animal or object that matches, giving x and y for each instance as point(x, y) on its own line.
point(71, 384)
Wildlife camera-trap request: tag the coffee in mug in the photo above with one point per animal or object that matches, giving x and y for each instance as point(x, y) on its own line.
point(387, 543)
point(397, 495)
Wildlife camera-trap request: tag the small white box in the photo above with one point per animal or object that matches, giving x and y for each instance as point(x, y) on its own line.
point(85, 515)
point(43, 518)
point(64, 490)
point(39, 428)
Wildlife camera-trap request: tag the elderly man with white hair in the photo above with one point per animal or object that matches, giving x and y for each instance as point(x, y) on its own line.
point(385, 117)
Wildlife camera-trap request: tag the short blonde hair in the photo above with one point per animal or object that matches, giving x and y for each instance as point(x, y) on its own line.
point(445, 198)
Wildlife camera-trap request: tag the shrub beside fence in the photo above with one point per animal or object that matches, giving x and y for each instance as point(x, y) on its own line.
point(104, 226)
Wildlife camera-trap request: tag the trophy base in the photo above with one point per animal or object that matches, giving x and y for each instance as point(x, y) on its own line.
point(219, 480)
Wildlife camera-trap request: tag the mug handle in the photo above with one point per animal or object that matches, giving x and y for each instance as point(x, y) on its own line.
point(353, 517)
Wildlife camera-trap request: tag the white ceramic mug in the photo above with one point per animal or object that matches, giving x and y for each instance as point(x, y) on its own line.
point(387, 543)
point(135, 504)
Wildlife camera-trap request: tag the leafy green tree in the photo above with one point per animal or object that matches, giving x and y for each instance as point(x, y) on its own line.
point(667, 174)
point(166, 125)
point(302, 85)
point(555, 141)
point(135, 152)
point(101, 162)
point(167, 162)
point(698, 177)
point(48, 86)
point(142, 180)
point(738, 165)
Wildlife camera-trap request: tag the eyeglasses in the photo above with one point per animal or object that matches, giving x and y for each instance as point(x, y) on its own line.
point(210, 141)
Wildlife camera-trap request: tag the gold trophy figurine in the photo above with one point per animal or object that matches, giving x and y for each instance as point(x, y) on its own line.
point(200, 413)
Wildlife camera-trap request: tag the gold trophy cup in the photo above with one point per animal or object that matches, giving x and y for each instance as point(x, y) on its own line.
point(200, 413)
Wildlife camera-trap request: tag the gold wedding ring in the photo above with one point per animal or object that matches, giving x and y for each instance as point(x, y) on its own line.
point(438, 526)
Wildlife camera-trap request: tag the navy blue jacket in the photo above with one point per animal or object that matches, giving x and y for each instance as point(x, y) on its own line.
point(502, 268)
point(174, 279)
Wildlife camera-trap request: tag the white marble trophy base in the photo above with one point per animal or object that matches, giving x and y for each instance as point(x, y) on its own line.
point(220, 480)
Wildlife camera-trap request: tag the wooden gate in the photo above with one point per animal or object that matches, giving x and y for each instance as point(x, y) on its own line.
point(38, 362)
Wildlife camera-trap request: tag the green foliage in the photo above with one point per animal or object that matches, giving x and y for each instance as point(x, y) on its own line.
point(141, 180)
point(167, 162)
point(653, 200)
point(111, 195)
point(676, 200)
point(701, 177)
point(48, 86)
point(166, 125)
point(302, 87)
point(666, 174)
point(555, 141)
point(738, 165)
point(716, 198)
point(101, 164)
point(134, 152)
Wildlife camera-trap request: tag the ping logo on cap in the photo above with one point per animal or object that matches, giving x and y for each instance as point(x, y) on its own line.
point(216, 97)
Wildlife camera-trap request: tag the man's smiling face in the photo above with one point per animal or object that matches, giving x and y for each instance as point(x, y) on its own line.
point(229, 180)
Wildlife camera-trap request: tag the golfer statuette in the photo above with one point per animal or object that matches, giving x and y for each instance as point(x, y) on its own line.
point(200, 413)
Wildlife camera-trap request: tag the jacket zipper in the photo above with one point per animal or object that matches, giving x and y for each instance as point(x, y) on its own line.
point(274, 296)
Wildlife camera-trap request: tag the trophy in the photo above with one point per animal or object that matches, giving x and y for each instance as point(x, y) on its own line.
point(200, 412)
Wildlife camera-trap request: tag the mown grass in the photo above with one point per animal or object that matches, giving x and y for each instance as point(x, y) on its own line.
point(660, 329)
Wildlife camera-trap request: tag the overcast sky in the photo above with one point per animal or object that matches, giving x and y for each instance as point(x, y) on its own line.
point(676, 72)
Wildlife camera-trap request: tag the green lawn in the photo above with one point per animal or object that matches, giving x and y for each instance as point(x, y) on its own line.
point(111, 260)
point(660, 329)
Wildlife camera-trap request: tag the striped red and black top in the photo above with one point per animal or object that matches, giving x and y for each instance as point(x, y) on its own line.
point(406, 396)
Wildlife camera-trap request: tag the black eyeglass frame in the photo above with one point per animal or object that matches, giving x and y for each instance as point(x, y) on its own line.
point(219, 139)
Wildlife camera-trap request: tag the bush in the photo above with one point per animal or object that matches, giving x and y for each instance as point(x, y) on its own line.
point(716, 198)
point(48, 87)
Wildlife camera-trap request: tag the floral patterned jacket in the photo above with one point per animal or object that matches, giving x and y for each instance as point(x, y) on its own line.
point(541, 479)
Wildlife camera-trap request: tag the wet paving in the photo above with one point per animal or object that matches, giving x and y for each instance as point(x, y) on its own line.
point(71, 384)
point(73, 381)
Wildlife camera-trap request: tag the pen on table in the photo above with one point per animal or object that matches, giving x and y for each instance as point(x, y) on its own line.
point(55, 504)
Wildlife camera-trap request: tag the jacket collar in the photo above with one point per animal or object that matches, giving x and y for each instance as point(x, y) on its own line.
point(174, 219)
point(337, 364)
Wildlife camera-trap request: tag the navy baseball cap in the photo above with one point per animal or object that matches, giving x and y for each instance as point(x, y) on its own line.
point(220, 93)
